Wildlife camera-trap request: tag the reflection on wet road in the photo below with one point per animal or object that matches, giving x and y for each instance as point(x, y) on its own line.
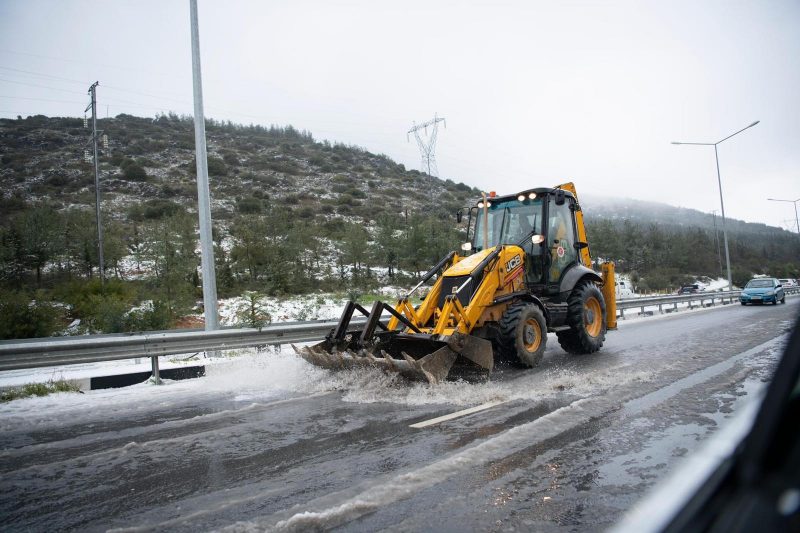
point(269, 443)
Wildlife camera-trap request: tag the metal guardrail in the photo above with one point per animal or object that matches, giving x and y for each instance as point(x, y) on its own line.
point(96, 348)
point(674, 300)
point(55, 351)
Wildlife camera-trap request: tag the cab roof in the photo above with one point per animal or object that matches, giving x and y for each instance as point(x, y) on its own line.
point(540, 191)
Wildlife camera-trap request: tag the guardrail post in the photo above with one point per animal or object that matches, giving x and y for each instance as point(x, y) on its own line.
point(660, 309)
point(156, 373)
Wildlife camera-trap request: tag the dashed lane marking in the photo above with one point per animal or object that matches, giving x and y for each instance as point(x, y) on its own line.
point(457, 414)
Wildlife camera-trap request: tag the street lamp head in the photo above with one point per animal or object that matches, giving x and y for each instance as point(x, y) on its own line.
point(754, 123)
point(673, 142)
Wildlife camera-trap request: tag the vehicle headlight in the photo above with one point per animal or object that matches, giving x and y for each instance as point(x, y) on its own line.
point(770, 293)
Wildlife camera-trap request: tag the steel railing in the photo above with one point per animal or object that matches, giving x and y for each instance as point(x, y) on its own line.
point(710, 298)
point(97, 348)
point(33, 353)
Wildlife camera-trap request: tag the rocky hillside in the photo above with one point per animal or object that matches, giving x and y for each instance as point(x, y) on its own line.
point(148, 165)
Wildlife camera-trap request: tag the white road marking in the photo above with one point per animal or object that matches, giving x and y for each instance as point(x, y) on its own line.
point(457, 414)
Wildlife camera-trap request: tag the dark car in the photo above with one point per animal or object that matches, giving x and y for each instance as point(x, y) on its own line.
point(689, 289)
point(763, 290)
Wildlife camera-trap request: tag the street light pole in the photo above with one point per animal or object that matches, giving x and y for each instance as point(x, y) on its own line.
point(721, 202)
point(203, 194)
point(796, 220)
point(724, 230)
point(716, 240)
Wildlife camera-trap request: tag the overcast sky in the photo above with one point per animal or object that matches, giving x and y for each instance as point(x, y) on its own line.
point(534, 93)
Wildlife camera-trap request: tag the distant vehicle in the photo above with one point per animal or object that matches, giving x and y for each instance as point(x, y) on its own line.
point(762, 290)
point(624, 289)
point(786, 282)
point(690, 289)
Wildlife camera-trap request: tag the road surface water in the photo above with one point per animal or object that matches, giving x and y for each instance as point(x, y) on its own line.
point(269, 443)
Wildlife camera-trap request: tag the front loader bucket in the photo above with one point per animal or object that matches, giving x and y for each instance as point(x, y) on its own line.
point(432, 368)
point(413, 354)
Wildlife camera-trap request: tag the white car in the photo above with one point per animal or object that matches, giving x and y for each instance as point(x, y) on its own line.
point(788, 282)
point(624, 289)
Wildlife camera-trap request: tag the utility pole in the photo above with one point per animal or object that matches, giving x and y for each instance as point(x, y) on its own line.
point(716, 239)
point(93, 106)
point(203, 194)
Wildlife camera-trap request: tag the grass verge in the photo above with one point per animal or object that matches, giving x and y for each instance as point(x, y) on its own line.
point(39, 389)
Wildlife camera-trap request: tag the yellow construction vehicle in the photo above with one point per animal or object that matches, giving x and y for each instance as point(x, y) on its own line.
point(526, 271)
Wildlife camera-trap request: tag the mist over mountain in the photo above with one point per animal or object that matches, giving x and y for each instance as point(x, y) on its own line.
point(597, 207)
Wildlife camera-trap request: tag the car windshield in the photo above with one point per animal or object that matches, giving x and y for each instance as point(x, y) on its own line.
point(509, 221)
point(759, 284)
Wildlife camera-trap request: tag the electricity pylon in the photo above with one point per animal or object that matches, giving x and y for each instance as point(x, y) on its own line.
point(427, 143)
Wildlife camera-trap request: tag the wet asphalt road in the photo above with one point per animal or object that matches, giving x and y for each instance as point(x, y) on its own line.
point(573, 445)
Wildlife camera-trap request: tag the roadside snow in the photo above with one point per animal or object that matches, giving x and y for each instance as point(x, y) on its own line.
point(231, 362)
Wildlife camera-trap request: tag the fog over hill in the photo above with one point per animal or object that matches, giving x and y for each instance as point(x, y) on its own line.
point(663, 214)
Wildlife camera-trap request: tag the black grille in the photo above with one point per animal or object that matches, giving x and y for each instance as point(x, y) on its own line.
point(451, 284)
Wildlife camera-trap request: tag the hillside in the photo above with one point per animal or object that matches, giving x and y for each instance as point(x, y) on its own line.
point(291, 216)
point(250, 167)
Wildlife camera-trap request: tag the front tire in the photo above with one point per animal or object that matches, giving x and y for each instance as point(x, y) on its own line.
point(523, 334)
point(586, 317)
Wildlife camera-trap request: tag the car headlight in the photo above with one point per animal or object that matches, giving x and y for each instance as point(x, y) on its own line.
point(769, 293)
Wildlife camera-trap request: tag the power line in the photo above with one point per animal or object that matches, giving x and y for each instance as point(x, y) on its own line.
point(40, 86)
point(42, 75)
point(93, 64)
point(39, 99)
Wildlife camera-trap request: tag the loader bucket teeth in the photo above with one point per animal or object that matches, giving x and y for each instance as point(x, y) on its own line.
point(389, 360)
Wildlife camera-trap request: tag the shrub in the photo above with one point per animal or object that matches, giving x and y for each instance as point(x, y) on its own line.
point(251, 312)
point(216, 167)
point(151, 316)
point(231, 159)
point(154, 210)
point(134, 172)
point(21, 318)
point(249, 205)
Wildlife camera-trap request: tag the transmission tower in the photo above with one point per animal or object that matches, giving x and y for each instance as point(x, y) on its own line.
point(427, 143)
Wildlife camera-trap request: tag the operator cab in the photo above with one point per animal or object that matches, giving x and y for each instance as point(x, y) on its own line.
point(540, 221)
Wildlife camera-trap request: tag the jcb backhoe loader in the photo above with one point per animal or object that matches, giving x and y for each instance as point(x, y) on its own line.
point(526, 271)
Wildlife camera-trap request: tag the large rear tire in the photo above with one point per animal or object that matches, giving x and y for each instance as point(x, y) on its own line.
point(523, 334)
point(586, 317)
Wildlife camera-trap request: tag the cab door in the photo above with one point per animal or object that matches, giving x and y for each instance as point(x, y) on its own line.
point(561, 237)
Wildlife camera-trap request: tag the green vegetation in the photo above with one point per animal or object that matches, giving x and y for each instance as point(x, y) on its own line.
point(666, 256)
point(291, 216)
point(39, 389)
